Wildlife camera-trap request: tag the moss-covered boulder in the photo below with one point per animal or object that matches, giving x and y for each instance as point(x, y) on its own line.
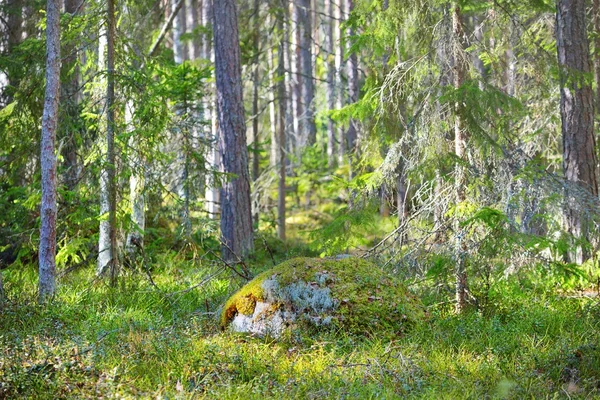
point(352, 294)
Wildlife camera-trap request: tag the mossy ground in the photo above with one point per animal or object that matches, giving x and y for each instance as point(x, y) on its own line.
point(370, 300)
point(530, 341)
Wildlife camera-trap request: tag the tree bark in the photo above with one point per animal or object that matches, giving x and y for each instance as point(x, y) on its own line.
point(339, 67)
point(577, 115)
point(460, 145)
point(107, 257)
point(298, 111)
point(47, 250)
point(596, 25)
point(308, 90)
point(236, 213)
point(137, 183)
point(255, 86)
point(281, 120)
point(70, 101)
point(329, 40)
point(352, 68)
point(193, 48)
point(208, 106)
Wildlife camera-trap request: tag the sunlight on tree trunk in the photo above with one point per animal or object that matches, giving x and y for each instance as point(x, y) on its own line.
point(236, 213)
point(460, 143)
point(48, 212)
point(577, 114)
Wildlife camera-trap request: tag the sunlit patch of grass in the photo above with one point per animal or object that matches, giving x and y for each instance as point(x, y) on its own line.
point(139, 341)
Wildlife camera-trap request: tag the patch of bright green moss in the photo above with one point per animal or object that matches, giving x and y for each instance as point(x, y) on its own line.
point(368, 298)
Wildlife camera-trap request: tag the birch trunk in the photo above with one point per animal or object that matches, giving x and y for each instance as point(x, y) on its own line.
point(460, 145)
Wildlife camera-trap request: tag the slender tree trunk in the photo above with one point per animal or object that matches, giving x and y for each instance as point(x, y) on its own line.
point(14, 31)
point(281, 120)
point(182, 131)
point(339, 67)
point(236, 213)
point(289, 81)
point(297, 72)
point(596, 24)
point(352, 67)
point(273, 84)
point(308, 91)
point(108, 191)
point(511, 65)
point(460, 143)
point(208, 105)
point(577, 114)
point(329, 40)
point(191, 7)
point(255, 86)
point(47, 255)
point(69, 94)
point(137, 201)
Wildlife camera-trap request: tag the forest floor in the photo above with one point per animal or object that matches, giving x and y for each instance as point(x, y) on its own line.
point(529, 340)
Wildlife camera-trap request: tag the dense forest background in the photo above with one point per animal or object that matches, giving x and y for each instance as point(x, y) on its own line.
point(155, 155)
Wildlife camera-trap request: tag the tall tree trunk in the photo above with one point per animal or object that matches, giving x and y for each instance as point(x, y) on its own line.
point(308, 90)
point(273, 84)
point(339, 67)
point(69, 90)
point(107, 257)
point(596, 24)
point(460, 145)
point(137, 201)
point(289, 80)
point(298, 110)
point(329, 40)
point(281, 120)
point(193, 48)
point(14, 33)
point(181, 111)
point(577, 114)
point(47, 255)
point(236, 213)
point(352, 67)
point(255, 86)
point(208, 106)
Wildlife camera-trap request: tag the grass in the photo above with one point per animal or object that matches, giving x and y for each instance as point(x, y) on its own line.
point(135, 341)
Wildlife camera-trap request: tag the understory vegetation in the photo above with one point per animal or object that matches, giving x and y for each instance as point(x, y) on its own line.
point(533, 334)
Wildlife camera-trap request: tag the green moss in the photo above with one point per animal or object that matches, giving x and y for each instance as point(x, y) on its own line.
point(368, 298)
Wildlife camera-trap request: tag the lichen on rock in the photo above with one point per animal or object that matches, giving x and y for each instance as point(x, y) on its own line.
point(352, 294)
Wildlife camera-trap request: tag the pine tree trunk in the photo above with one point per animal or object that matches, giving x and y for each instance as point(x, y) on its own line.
point(69, 95)
point(329, 40)
point(596, 24)
point(236, 213)
point(47, 255)
point(255, 85)
point(273, 84)
point(352, 67)
point(577, 114)
point(14, 33)
point(460, 143)
point(191, 7)
point(289, 80)
point(308, 90)
point(281, 120)
point(339, 67)
point(298, 110)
